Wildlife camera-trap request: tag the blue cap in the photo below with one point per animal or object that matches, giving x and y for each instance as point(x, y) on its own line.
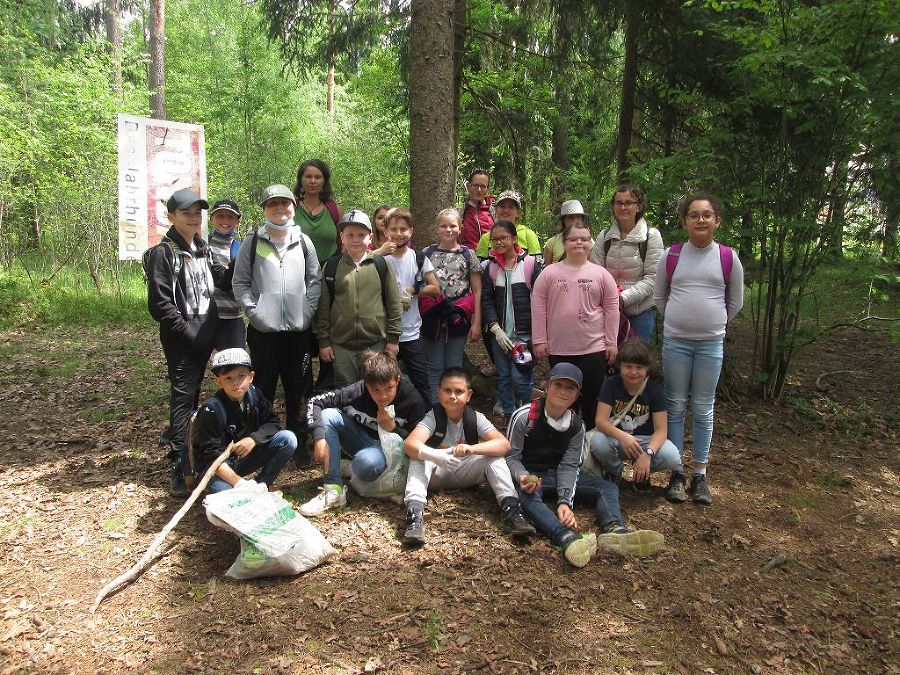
point(565, 371)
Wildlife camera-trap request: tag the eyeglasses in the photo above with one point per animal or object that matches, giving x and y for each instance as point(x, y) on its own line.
point(627, 204)
point(500, 240)
point(693, 216)
point(478, 186)
point(579, 240)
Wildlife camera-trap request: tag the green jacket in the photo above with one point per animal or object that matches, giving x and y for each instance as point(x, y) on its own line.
point(527, 239)
point(357, 317)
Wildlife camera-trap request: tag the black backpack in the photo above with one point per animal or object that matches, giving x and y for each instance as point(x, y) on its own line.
point(176, 258)
point(330, 269)
point(228, 431)
point(470, 426)
point(642, 247)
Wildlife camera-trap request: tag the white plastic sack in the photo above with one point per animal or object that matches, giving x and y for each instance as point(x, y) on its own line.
point(275, 540)
point(392, 482)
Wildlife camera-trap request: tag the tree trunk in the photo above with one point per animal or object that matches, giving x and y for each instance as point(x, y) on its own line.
point(432, 152)
point(460, 8)
point(329, 96)
point(113, 36)
point(629, 82)
point(157, 79)
point(560, 152)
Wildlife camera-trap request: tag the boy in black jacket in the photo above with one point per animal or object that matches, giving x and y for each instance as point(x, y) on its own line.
point(181, 277)
point(238, 413)
point(350, 417)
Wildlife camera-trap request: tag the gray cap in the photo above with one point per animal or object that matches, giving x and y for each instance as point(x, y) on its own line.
point(355, 217)
point(277, 190)
point(230, 357)
point(510, 194)
point(183, 199)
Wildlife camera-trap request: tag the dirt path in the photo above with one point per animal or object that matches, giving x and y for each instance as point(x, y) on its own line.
point(792, 570)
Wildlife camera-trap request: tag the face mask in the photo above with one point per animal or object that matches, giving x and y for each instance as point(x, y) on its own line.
point(405, 243)
point(279, 228)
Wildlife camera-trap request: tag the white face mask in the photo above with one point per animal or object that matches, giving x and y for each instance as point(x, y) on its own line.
point(562, 423)
point(279, 228)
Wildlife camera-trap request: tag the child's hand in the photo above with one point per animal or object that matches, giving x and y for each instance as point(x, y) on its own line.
point(541, 351)
point(528, 483)
point(326, 354)
point(632, 447)
point(566, 516)
point(462, 450)
point(442, 457)
point(475, 332)
point(243, 447)
point(612, 351)
point(641, 468)
point(387, 248)
point(385, 420)
point(320, 451)
point(392, 349)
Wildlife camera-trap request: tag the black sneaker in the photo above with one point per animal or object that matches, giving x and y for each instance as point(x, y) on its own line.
point(675, 489)
point(512, 520)
point(414, 535)
point(700, 490)
point(177, 486)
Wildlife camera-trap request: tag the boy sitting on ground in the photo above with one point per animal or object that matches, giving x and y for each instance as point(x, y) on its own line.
point(240, 415)
point(349, 419)
point(454, 447)
point(547, 439)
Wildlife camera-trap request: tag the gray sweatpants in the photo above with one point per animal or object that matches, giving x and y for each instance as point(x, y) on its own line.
point(472, 471)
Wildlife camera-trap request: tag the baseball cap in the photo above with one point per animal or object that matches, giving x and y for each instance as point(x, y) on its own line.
point(355, 217)
point(183, 199)
point(571, 207)
point(226, 205)
point(510, 194)
point(565, 371)
point(230, 357)
point(277, 190)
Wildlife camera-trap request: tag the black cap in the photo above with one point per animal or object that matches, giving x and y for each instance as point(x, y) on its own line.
point(185, 198)
point(226, 205)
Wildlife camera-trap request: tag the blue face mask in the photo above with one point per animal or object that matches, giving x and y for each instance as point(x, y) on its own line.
point(279, 228)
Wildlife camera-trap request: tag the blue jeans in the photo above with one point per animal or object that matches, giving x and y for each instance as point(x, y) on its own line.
point(344, 432)
point(512, 382)
point(643, 324)
point(440, 356)
point(603, 493)
point(609, 454)
point(270, 458)
point(416, 368)
point(692, 368)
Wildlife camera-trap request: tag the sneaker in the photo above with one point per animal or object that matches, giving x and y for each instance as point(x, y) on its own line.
point(578, 550)
point(625, 541)
point(303, 457)
point(414, 534)
point(498, 409)
point(700, 490)
point(675, 489)
point(177, 485)
point(329, 497)
point(512, 520)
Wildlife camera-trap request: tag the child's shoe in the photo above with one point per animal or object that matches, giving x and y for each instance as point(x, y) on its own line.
point(641, 486)
point(177, 485)
point(329, 497)
point(700, 489)
point(512, 519)
point(414, 534)
point(578, 550)
point(675, 489)
point(625, 541)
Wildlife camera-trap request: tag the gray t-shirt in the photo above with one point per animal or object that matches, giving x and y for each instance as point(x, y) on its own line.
point(454, 435)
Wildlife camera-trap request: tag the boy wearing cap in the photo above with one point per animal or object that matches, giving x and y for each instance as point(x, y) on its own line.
point(547, 440)
point(509, 207)
point(240, 416)
point(224, 219)
point(181, 278)
point(360, 309)
point(276, 281)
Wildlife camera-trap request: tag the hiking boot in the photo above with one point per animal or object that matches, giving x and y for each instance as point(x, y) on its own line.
point(329, 497)
point(700, 490)
point(512, 520)
point(414, 534)
point(302, 455)
point(625, 541)
point(641, 486)
point(578, 550)
point(177, 486)
point(675, 489)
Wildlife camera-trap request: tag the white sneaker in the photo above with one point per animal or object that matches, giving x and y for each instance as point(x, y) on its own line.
point(329, 497)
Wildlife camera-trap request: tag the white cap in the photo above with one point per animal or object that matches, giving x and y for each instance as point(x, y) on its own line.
point(571, 207)
point(231, 357)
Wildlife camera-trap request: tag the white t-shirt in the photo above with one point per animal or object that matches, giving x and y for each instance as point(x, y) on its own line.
point(405, 269)
point(455, 435)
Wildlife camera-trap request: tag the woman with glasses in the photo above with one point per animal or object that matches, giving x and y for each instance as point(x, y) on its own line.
point(476, 214)
point(630, 250)
point(575, 314)
point(699, 288)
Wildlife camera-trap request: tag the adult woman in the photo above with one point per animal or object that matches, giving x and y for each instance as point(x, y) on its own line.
point(699, 288)
point(630, 250)
point(476, 215)
point(571, 211)
point(575, 314)
point(317, 212)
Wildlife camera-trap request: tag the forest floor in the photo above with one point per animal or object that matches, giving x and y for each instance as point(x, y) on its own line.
point(792, 570)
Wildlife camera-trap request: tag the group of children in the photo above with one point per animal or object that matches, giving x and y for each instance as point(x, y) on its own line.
point(368, 308)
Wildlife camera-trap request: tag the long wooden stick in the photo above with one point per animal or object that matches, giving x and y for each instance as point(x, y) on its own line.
point(150, 555)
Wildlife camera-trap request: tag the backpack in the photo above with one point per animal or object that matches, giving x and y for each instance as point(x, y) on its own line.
point(530, 266)
point(177, 259)
point(726, 259)
point(214, 404)
point(470, 426)
point(465, 250)
point(419, 280)
point(254, 242)
point(642, 246)
point(330, 269)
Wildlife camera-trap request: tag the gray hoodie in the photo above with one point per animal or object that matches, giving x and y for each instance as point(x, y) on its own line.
point(284, 290)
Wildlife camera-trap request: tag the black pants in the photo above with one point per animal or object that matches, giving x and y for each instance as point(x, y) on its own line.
point(283, 354)
point(593, 369)
point(186, 368)
point(231, 333)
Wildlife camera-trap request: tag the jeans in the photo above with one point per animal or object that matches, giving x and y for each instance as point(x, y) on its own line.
point(440, 356)
point(513, 383)
point(643, 324)
point(282, 354)
point(603, 493)
point(609, 454)
point(692, 368)
point(593, 368)
point(270, 458)
point(186, 369)
point(343, 432)
point(416, 367)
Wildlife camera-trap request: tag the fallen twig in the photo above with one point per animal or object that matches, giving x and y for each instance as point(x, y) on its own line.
point(151, 553)
point(820, 386)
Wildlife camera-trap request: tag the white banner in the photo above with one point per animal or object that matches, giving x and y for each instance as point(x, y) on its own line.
point(156, 158)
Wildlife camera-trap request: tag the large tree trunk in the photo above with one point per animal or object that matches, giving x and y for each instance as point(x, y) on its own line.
point(329, 96)
point(113, 36)
point(460, 8)
point(432, 152)
point(560, 152)
point(157, 80)
point(629, 82)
